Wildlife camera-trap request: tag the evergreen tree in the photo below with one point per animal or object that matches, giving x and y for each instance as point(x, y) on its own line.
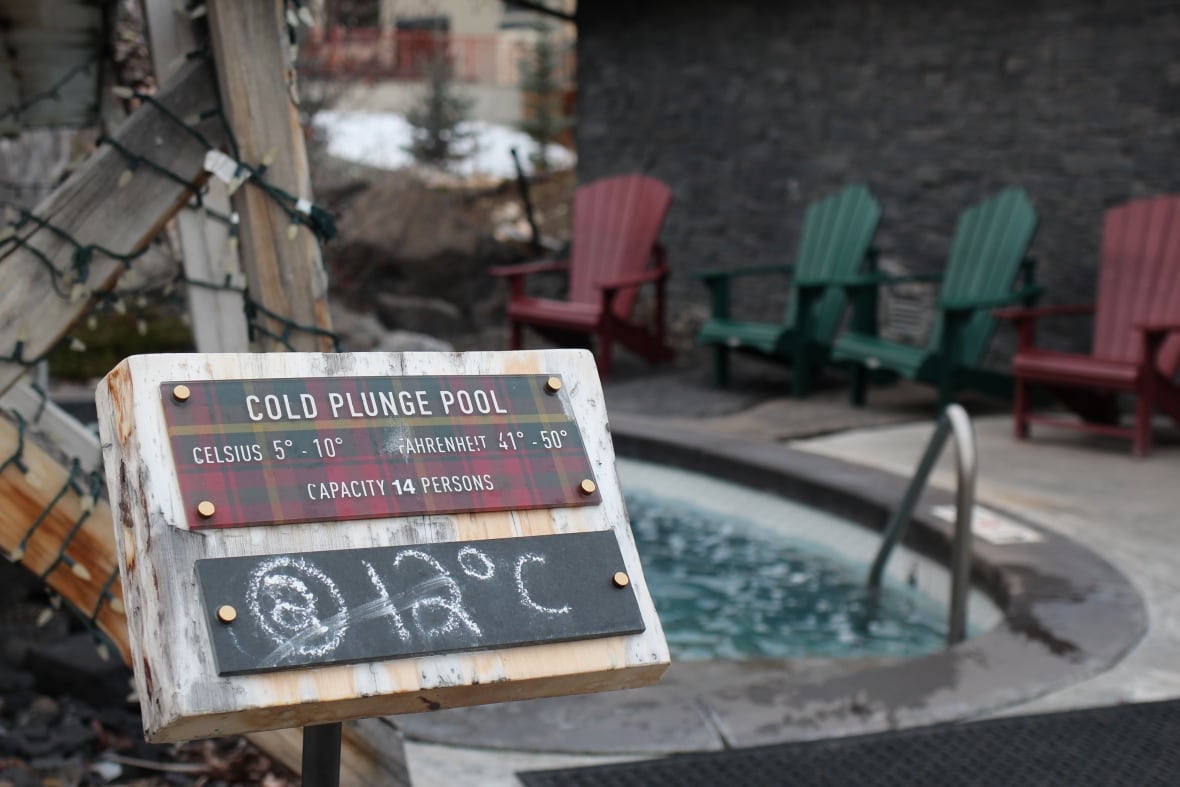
point(436, 136)
point(544, 119)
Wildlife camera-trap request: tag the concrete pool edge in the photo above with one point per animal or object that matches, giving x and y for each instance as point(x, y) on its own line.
point(1068, 614)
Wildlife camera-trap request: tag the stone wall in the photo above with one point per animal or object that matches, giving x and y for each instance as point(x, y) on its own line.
point(749, 110)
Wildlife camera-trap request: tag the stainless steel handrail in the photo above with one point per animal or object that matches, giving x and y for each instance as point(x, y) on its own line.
point(953, 420)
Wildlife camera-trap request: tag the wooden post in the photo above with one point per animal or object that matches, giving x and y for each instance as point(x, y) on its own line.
point(284, 270)
point(92, 208)
point(218, 316)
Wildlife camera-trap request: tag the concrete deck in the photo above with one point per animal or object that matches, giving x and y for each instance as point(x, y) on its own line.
point(1084, 489)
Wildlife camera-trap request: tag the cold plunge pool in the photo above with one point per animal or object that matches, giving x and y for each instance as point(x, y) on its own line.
point(741, 574)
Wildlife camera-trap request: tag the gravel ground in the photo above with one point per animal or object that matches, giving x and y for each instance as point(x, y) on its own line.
point(69, 718)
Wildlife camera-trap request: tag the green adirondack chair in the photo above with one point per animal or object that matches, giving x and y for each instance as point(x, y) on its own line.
point(988, 250)
point(836, 237)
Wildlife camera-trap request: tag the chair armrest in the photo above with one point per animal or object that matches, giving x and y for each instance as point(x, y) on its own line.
point(1020, 313)
point(643, 277)
point(1157, 327)
point(753, 270)
point(527, 268)
point(975, 304)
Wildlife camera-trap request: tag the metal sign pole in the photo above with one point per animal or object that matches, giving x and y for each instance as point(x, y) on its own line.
point(321, 755)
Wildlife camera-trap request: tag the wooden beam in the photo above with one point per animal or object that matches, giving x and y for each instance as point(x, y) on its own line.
point(218, 317)
point(63, 430)
point(92, 208)
point(284, 270)
point(540, 8)
point(32, 491)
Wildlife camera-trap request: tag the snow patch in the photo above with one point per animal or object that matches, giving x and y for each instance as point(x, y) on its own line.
point(379, 139)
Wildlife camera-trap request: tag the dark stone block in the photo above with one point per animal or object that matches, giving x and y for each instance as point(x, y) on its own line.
point(18, 776)
point(72, 666)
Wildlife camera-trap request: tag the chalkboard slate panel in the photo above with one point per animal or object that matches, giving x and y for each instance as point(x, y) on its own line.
point(273, 612)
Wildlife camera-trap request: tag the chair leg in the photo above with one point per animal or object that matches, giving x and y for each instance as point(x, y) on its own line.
point(720, 365)
point(603, 350)
point(858, 389)
point(1020, 410)
point(800, 367)
point(1144, 410)
point(800, 380)
point(946, 389)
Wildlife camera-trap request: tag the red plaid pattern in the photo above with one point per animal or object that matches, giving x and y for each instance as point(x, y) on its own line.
point(281, 451)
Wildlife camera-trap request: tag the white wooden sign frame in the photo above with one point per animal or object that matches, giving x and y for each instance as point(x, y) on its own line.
point(182, 695)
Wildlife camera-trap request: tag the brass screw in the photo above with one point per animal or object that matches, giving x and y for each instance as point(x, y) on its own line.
point(206, 509)
point(621, 579)
point(587, 486)
point(227, 614)
point(181, 393)
point(553, 385)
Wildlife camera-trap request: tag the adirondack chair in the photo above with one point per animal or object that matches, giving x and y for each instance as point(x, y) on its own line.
point(987, 251)
point(1135, 345)
point(616, 227)
point(836, 237)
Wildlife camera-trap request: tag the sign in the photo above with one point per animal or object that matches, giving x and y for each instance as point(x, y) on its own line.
point(271, 612)
point(502, 569)
point(261, 452)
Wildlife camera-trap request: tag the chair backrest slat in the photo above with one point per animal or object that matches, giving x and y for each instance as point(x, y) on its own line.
point(836, 236)
point(991, 240)
point(1139, 280)
point(616, 224)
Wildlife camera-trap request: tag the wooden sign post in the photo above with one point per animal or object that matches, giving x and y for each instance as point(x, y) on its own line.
point(307, 538)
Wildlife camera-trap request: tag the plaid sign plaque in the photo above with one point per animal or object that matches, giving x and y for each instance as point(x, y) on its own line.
point(280, 451)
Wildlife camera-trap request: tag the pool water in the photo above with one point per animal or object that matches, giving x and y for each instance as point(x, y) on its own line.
point(728, 588)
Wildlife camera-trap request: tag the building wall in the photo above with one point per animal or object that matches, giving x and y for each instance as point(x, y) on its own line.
point(752, 109)
point(468, 17)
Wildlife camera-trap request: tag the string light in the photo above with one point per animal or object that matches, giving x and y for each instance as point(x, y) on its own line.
point(18, 553)
point(52, 94)
point(17, 457)
point(88, 501)
point(22, 225)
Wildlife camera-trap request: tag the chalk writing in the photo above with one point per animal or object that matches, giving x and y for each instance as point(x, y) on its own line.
point(486, 571)
point(525, 597)
point(287, 597)
point(387, 606)
point(451, 603)
point(355, 605)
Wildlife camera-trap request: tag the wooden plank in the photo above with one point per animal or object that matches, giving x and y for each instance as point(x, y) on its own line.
point(218, 316)
point(93, 209)
point(29, 494)
point(284, 270)
point(63, 430)
point(159, 560)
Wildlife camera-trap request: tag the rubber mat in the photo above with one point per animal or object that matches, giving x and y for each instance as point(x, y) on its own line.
point(1134, 745)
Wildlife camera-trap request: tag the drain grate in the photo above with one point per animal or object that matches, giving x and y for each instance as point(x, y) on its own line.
point(1134, 745)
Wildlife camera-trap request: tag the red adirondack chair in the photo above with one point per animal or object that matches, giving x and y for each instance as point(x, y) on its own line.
point(616, 229)
point(1136, 341)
